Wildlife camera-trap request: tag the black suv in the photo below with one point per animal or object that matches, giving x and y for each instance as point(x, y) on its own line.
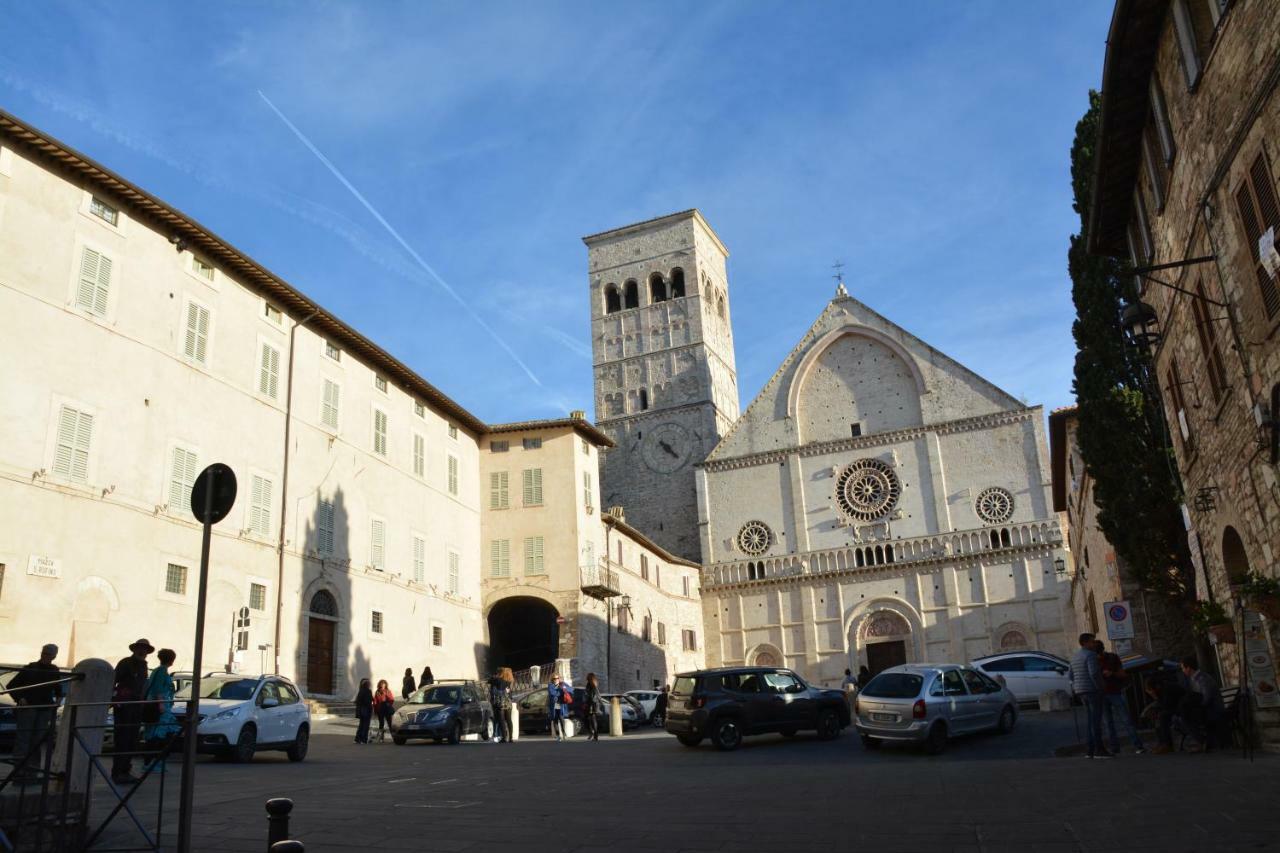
point(728, 703)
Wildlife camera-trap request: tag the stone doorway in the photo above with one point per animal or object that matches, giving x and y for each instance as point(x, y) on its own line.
point(881, 656)
point(322, 629)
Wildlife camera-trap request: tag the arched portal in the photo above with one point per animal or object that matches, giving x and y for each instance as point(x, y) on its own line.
point(882, 637)
point(322, 632)
point(523, 632)
point(1234, 558)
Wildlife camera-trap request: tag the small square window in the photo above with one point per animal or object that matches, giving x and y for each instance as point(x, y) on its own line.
point(202, 268)
point(380, 382)
point(453, 432)
point(272, 313)
point(437, 636)
point(257, 596)
point(855, 429)
point(104, 211)
point(376, 624)
point(331, 351)
point(532, 443)
point(175, 579)
point(499, 446)
point(419, 409)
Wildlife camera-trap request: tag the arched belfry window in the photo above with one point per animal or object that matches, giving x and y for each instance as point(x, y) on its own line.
point(720, 306)
point(612, 299)
point(677, 283)
point(644, 399)
point(657, 288)
point(630, 294)
point(323, 604)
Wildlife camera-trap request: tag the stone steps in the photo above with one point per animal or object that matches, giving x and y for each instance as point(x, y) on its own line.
point(321, 709)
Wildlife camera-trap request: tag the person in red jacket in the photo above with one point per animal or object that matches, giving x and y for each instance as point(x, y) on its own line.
point(1114, 679)
point(384, 703)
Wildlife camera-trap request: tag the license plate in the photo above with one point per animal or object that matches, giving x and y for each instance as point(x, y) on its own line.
point(884, 718)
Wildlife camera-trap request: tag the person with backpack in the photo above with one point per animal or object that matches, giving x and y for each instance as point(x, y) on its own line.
point(1114, 680)
point(559, 702)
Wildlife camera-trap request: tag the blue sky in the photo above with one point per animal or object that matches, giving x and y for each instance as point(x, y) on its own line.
point(925, 144)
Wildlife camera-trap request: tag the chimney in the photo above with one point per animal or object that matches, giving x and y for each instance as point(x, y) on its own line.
point(618, 513)
point(577, 415)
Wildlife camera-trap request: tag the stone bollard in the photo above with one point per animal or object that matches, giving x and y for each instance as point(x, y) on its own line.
point(615, 717)
point(278, 821)
point(86, 711)
point(287, 847)
point(515, 721)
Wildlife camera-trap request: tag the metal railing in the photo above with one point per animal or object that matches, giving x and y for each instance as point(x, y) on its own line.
point(599, 580)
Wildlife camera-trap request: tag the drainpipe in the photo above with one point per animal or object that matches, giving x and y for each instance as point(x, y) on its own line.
point(284, 484)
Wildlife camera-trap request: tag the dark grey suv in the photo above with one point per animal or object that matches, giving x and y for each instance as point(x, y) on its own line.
point(446, 710)
point(730, 703)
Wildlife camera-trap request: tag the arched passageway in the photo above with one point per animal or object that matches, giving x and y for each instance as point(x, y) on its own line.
point(523, 632)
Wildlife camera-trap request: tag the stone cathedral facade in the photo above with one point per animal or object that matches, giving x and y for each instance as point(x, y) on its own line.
point(877, 503)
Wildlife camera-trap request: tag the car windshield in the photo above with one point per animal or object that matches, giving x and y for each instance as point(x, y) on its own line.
point(894, 685)
point(684, 685)
point(443, 694)
point(222, 688)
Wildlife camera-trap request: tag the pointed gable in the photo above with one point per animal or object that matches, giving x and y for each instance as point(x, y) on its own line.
point(854, 367)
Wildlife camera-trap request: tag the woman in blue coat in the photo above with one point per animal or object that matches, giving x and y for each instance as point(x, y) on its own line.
point(559, 700)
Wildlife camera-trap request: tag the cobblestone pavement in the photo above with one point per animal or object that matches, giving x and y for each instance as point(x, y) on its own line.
point(646, 792)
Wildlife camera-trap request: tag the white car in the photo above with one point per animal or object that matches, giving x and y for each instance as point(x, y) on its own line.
point(632, 713)
point(1027, 674)
point(648, 700)
point(241, 715)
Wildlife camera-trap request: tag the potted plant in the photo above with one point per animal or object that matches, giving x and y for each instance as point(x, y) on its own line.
point(1208, 617)
point(1262, 594)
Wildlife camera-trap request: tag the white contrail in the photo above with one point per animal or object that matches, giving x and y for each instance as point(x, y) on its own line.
point(396, 236)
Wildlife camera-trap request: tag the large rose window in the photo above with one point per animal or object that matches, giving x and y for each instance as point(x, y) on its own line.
point(867, 490)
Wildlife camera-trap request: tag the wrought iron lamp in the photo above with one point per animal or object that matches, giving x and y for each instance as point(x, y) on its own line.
point(1141, 325)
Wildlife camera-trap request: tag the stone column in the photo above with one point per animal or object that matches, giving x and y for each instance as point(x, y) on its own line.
point(615, 717)
point(89, 696)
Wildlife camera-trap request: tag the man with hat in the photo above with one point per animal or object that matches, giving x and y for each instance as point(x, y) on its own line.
point(131, 683)
point(36, 695)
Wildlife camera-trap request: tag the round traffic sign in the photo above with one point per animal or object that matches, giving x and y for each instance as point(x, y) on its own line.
point(222, 480)
point(1118, 613)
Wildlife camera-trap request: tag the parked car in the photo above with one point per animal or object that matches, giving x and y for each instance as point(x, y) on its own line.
point(729, 703)
point(1027, 674)
point(928, 704)
point(533, 711)
point(648, 700)
point(241, 715)
point(445, 710)
point(633, 714)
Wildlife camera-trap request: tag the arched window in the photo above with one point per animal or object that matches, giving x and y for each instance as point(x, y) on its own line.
point(644, 399)
point(720, 306)
point(323, 604)
point(1234, 558)
point(612, 299)
point(630, 294)
point(1004, 537)
point(657, 288)
point(677, 283)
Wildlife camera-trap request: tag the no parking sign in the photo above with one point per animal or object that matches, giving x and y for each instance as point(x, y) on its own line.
point(1119, 620)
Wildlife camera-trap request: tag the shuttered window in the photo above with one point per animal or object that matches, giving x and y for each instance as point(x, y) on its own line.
point(196, 342)
point(499, 493)
point(685, 587)
point(71, 451)
point(329, 404)
point(453, 571)
point(269, 371)
point(644, 567)
point(1160, 118)
point(646, 628)
point(1256, 203)
point(1181, 422)
point(183, 469)
point(453, 475)
point(588, 495)
point(95, 282)
point(379, 432)
point(378, 544)
point(260, 505)
point(690, 640)
point(419, 559)
point(662, 634)
point(1207, 334)
point(1143, 227)
point(500, 558)
point(419, 455)
point(1153, 162)
point(532, 486)
point(533, 562)
point(324, 527)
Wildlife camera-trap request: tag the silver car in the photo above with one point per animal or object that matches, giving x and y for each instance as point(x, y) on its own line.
point(930, 703)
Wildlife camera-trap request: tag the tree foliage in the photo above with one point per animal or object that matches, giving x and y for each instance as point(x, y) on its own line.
point(1123, 434)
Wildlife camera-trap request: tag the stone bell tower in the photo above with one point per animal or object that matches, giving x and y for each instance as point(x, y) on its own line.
point(665, 382)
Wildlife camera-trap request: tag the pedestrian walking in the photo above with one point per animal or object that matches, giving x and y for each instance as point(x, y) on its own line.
point(384, 705)
point(159, 689)
point(1114, 680)
point(130, 687)
point(559, 701)
point(500, 700)
point(1086, 682)
point(427, 678)
point(850, 687)
point(364, 711)
point(36, 711)
point(407, 686)
point(1201, 710)
point(660, 706)
point(864, 675)
point(592, 708)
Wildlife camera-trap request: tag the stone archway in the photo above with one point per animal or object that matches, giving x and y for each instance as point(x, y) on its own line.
point(884, 633)
point(322, 646)
point(523, 632)
point(765, 654)
point(1234, 557)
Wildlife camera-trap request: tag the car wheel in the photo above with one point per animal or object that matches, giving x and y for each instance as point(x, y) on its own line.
point(828, 725)
point(298, 749)
point(727, 734)
point(246, 744)
point(487, 732)
point(399, 741)
point(937, 740)
point(455, 733)
point(788, 732)
point(1008, 719)
point(869, 742)
point(689, 740)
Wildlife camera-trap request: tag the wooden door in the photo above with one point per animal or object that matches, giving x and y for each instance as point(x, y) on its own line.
point(881, 656)
point(320, 656)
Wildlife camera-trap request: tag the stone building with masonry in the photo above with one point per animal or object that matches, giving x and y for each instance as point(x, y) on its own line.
point(1187, 163)
point(877, 503)
point(1097, 575)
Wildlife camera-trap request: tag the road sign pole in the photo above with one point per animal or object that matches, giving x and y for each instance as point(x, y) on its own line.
point(193, 707)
